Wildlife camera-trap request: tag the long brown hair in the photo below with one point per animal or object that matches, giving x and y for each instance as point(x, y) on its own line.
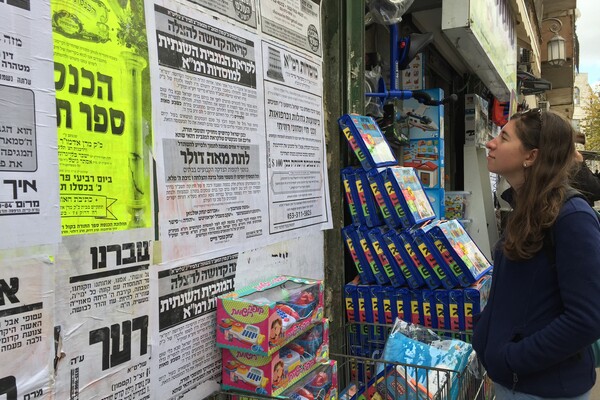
point(538, 201)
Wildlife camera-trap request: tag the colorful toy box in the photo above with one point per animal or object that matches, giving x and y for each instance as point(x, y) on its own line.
point(470, 261)
point(367, 141)
point(455, 204)
point(261, 318)
point(321, 384)
point(404, 188)
point(272, 374)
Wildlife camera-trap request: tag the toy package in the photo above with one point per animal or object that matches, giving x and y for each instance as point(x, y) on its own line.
point(475, 298)
point(370, 256)
point(368, 206)
point(402, 259)
point(471, 261)
point(414, 346)
point(260, 318)
point(321, 384)
point(348, 181)
point(426, 156)
point(422, 254)
point(385, 259)
point(405, 190)
point(455, 204)
point(393, 217)
point(367, 141)
point(272, 374)
point(432, 258)
point(354, 248)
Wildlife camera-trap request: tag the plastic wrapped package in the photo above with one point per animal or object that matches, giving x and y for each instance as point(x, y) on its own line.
point(387, 12)
point(420, 353)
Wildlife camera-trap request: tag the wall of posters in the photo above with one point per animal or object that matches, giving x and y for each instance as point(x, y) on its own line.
point(212, 113)
point(154, 155)
point(28, 157)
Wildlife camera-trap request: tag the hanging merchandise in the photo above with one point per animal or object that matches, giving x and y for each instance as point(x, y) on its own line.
point(500, 111)
point(386, 12)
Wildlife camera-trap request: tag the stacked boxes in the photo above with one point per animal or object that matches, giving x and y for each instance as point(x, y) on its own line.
point(272, 334)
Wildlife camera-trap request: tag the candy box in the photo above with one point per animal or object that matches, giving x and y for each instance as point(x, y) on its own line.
point(262, 317)
point(272, 374)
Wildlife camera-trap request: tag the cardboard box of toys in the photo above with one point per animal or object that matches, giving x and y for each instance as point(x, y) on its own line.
point(261, 318)
point(273, 374)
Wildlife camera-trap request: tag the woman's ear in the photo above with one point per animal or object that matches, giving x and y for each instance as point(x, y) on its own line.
point(532, 156)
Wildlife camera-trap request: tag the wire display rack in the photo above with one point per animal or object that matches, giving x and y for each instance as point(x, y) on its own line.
point(378, 379)
point(386, 380)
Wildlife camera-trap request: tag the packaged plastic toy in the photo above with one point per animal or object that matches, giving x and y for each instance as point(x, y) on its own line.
point(348, 180)
point(362, 232)
point(321, 384)
point(405, 190)
point(354, 248)
point(402, 259)
point(392, 211)
point(368, 206)
point(272, 375)
point(261, 318)
point(471, 262)
point(367, 141)
point(436, 255)
point(384, 258)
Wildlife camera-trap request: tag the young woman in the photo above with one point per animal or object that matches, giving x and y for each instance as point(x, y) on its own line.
point(534, 334)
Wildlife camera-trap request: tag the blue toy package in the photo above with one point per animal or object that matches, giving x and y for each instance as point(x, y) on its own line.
point(404, 188)
point(368, 206)
point(442, 308)
point(403, 298)
point(475, 298)
point(437, 258)
point(368, 253)
point(425, 268)
point(462, 248)
point(392, 217)
point(386, 261)
point(416, 306)
point(367, 141)
point(430, 351)
point(457, 314)
point(426, 307)
point(353, 245)
point(386, 301)
point(349, 297)
point(402, 259)
point(348, 180)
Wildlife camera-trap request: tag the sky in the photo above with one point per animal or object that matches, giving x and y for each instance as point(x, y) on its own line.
point(588, 32)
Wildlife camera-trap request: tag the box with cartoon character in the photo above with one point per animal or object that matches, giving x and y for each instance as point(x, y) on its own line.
point(261, 318)
point(272, 374)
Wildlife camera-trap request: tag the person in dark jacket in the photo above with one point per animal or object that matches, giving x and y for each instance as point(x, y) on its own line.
point(584, 179)
point(533, 336)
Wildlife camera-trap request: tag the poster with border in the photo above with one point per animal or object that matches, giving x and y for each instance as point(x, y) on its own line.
point(242, 11)
point(103, 315)
point(102, 115)
point(186, 358)
point(296, 22)
point(26, 324)
point(29, 197)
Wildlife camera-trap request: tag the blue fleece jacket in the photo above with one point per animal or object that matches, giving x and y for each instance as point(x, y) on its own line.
point(535, 331)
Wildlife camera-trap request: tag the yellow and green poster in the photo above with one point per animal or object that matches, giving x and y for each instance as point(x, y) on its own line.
point(103, 116)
